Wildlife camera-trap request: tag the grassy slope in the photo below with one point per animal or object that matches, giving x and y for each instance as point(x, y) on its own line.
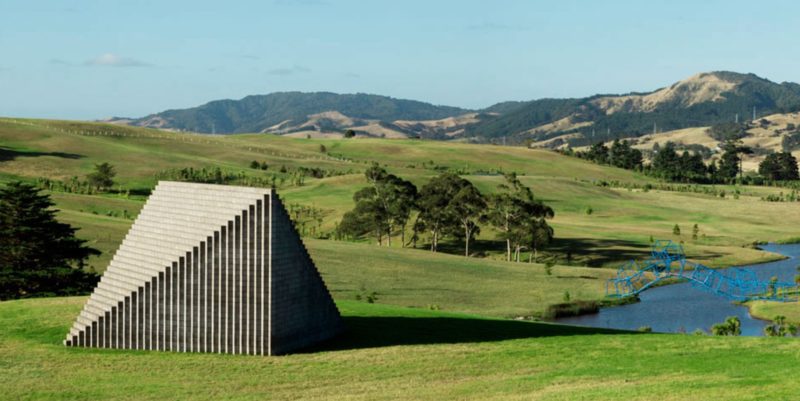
point(419, 278)
point(769, 310)
point(398, 353)
point(618, 229)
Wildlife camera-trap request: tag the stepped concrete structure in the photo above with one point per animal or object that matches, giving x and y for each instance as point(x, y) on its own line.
point(209, 268)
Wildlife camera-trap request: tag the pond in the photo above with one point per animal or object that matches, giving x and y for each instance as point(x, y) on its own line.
point(681, 307)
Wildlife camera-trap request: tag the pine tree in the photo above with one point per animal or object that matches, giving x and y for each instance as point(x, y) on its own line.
point(38, 254)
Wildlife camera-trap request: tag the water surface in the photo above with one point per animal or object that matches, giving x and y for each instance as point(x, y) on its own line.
point(684, 308)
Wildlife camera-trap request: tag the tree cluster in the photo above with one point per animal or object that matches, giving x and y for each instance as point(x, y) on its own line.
point(686, 167)
point(381, 208)
point(780, 166)
point(448, 206)
point(621, 155)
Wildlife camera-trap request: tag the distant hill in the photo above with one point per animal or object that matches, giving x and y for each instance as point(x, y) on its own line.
point(287, 112)
point(701, 100)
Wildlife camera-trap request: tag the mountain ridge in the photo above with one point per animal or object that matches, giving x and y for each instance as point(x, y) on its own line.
point(700, 100)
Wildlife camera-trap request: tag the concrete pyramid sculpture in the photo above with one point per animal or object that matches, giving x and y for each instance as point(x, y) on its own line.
point(209, 268)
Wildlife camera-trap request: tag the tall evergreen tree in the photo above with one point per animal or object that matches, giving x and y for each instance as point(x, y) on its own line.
point(38, 254)
point(729, 162)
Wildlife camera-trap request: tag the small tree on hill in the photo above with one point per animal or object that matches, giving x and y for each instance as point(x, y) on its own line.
point(102, 177)
point(38, 254)
point(349, 133)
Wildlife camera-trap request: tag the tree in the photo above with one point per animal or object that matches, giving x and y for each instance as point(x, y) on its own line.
point(780, 328)
point(38, 254)
point(624, 156)
point(402, 202)
point(512, 210)
point(349, 133)
point(695, 231)
point(468, 206)
point(380, 207)
point(666, 162)
point(692, 168)
point(731, 164)
point(435, 209)
point(102, 177)
point(732, 326)
point(541, 234)
point(598, 153)
point(780, 166)
point(676, 230)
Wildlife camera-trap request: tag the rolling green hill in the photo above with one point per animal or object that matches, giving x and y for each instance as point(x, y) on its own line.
point(433, 331)
point(619, 227)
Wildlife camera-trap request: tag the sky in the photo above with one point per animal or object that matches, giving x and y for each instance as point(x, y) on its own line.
point(82, 59)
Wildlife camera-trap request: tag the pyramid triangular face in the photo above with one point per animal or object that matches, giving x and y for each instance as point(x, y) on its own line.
point(209, 268)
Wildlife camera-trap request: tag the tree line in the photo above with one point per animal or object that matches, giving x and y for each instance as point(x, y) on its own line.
point(689, 167)
point(448, 206)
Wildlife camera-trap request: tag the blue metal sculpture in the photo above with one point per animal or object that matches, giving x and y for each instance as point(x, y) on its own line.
point(667, 260)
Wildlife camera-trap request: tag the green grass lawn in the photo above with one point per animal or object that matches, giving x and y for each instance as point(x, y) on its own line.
point(430, 335)
point(768, 310)
point(400, 353)
point(417, 278)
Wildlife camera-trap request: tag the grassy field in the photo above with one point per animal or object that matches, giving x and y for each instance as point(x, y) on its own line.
point(417, 278)
point(401, 353)
point(433, 332)
point(769, 310)
point(619, 227)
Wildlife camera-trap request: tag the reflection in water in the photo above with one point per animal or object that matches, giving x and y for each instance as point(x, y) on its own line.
point(683, 308)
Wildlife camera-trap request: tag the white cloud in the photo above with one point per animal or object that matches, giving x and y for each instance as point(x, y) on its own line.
point(113, 60)
point(296, 69)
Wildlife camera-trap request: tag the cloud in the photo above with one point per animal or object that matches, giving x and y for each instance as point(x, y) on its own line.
point(295, 69)
point(113, 60)
point(58, 61)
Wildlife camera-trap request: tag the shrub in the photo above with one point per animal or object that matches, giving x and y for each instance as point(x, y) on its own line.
point(574, 308)
point(732, 326)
